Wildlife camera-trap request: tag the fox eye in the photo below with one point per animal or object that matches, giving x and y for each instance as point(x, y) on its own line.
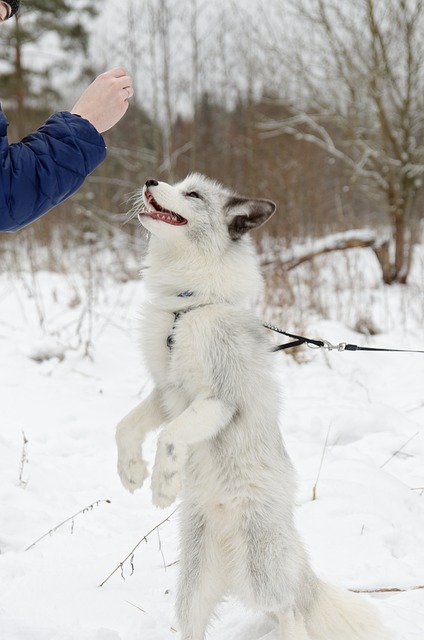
point(193, 194)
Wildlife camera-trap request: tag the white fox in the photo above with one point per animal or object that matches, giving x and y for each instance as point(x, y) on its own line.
point(217, 400)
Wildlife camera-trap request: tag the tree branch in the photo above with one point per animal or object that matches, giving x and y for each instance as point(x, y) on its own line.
point(387, 590)
point(130, 555)
point(336, 242)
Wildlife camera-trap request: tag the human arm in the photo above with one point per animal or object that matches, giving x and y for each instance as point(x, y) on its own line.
point(45, 167)
point(49, 165)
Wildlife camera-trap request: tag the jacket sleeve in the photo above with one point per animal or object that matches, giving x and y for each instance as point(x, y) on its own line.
point(45, 167)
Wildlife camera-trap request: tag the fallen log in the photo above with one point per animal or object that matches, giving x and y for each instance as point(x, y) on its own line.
point(362, 238)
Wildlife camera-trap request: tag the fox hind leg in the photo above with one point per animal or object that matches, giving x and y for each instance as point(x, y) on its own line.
point(292, 627)
point(202, 578)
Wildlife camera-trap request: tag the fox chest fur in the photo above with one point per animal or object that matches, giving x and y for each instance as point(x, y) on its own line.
point(214, 353)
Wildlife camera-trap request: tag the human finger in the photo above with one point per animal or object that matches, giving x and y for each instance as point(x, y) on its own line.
point(117, 72)
point(129, 91)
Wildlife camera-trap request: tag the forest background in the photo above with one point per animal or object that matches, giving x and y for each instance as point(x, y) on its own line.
point(316, 104)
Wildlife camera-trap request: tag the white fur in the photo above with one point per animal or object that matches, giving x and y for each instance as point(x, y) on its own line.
point(220, 446)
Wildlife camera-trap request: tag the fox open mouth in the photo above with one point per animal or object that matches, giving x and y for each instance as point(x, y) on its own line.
point(159, 213)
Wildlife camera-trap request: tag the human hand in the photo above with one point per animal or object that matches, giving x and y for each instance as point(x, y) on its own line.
point(105, 101)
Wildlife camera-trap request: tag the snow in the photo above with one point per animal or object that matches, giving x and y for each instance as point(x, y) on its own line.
point(352, 422)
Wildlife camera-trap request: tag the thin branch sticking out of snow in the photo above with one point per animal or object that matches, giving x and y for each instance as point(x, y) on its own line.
point(70, 519)
point(130, 555)
point(387, 590)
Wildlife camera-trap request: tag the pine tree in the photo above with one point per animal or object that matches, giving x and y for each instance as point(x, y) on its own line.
point(47, 38)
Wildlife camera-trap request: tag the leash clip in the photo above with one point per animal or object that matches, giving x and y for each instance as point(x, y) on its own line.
point(329, 346)
point(326, 344)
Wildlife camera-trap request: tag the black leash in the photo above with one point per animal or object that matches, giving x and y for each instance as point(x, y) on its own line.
point(297, 341)
point(325, 344)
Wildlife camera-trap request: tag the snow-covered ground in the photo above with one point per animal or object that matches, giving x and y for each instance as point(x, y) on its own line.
point(353, 424)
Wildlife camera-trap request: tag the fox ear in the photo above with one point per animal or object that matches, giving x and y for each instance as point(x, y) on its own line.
point(247, 214)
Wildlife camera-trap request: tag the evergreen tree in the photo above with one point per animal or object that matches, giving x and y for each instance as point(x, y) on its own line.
point(47, 38)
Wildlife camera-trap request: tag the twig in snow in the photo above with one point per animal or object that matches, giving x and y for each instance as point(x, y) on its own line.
point(134, 605)
point(130, 555)
point(24, 461)
point(70, 519)
point(420, 489)
point(314, 490)
point(399, 450)
point(172, 564)
point(88, 347)
point(160, 549)
point(387, 590)
point(415, 407)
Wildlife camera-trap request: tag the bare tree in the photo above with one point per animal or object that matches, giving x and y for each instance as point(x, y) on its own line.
point(360, 67)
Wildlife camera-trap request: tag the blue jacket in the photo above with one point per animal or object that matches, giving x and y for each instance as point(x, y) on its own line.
point(46, 167)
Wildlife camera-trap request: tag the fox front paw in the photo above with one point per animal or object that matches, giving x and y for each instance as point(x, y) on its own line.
point(165, 490)
point(132, 473)
point(167, 473)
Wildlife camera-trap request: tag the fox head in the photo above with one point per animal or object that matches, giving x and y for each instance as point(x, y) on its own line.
point(200, 210)
point(199, 241)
